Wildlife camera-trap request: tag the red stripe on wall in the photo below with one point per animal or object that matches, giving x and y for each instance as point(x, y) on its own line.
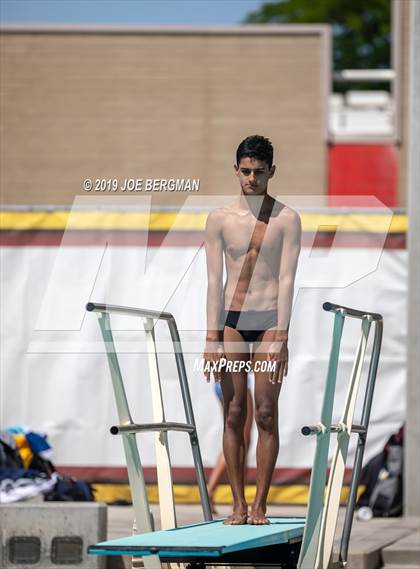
point(181, 475)
point(51, 238)
point(55, 238)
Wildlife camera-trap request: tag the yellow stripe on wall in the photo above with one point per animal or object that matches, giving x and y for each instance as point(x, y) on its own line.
point(186, 221)
point(189, 494)
point(114, 220)
point(355, 222)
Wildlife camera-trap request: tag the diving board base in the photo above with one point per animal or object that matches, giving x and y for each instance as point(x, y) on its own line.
point(277, 544)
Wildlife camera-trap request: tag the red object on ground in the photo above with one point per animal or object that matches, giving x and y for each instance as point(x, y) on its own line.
point(363, 170)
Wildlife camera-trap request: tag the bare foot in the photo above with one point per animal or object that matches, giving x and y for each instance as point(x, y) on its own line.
point(257, 517)
point(213, 507)
point(238, 517)
point(211, 500)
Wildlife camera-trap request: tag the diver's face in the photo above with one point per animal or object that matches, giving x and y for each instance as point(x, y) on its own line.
point(253, 176)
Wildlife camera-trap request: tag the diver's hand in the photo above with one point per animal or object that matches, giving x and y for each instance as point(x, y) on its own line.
point(279, 353)
point(213, 353)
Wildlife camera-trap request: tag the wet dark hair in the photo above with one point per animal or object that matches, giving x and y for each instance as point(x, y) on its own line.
point(255, 146)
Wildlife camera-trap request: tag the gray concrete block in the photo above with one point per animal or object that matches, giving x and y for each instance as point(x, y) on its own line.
point(403, 552)
point(43, 535)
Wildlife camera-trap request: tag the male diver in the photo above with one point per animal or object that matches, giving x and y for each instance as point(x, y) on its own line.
point(257, 238)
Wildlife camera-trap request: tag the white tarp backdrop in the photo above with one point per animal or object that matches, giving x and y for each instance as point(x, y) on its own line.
point(55, 375)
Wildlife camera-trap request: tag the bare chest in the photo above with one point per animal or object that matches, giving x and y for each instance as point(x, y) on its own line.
point(244, 236)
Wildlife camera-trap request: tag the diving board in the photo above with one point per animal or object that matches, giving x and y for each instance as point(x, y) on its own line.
point(285, 543)
point(210, 540)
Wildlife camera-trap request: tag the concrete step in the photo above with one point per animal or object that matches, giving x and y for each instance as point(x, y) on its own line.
point(401, 566)
point(403, 553)
point(369, 540)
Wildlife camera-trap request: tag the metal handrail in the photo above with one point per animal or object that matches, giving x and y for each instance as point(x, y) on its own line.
point(360, 429)
point(330, 307)
point(130, 428)
point(361, 443)
point(164, 426)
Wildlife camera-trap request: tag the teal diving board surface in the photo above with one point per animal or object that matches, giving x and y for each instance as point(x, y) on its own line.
point(208, 539)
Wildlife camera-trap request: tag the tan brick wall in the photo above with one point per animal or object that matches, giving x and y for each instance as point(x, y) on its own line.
point(117, 105)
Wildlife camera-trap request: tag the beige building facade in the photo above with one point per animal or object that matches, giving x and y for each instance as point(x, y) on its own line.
point(136, 103)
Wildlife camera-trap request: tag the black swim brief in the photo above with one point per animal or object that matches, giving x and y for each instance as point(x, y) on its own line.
point(250, 323)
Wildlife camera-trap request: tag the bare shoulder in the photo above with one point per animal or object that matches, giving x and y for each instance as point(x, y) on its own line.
point(287, 218)
point(215, 219)
point(291, 217)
